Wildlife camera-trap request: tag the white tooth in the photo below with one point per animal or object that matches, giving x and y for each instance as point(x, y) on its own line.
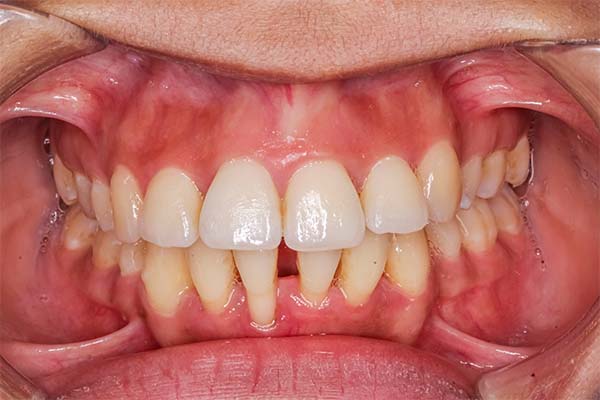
point(106, 250)
point(171, 209)
point(102, 205)
point(258, 270)
point(131, 259)
point(393, 199)
point(79, 230)
point(362, 266)
point(477, 225)
point(471, 178)
point(408, 262)
point(316, 270)
point(517, 162)
point(242, 208)
point(322, 210)
point(488, 219)
point(213, 273)
point(439, 174)
point(127, 204)
point(445, 238)
point(84, 194)
point(65, 181)
point(506, 210)
point(166, 278)
point(493, 170)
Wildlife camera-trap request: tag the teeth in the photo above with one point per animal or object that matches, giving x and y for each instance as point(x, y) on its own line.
point(242, 209)
point(316, 270)
point(84, 194)
point(102, 205)
point(213, 273)
point(258, 270)
point(445, 238)
point(408, 262)
point(439, 173)
point(506, 210)
point(131, 259)
point(392, 198)
point(127, 204)
point(517, 163)
point(79, 230)
point(65, 182)
point(171, 210)
point(106, 250)
point(494, 168)
point(322, 209)
point(471, 178)
point(166, 278)
point(362, 267)
point(477, 225)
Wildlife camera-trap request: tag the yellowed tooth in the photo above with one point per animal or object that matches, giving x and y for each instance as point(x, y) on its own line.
point(362, 266)
point(471, 178)
point(316, 270)
point(127, 204)
point(258, 270)
point(131, 258)
point(506, 210)
point(408, 262)
point(171, 209)
point(478, 227)
point(494, 169)
point(102, 205)
point(440, 176)
point(79, 230)
point(84, 194)
point(213, 273)
point(392, 198)
point(65, 182)
point(488, 219)
point(106, 250)
point(445, 238)
point(517, 162)
point(166, 278)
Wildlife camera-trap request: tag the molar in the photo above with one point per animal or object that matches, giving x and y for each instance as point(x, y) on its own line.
point(408, 262)
point(106, 250)
point(131, 258)
point(471, 178)
point(102, 205)
point(79, 230)
point(127, 204)
point(517, 162)
point(65, 181)
point(506, 210)
point(316, 270)
point(84, 194)
point(493, 172)
point(445, 238)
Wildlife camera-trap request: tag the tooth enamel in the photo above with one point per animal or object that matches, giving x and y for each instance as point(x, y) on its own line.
point(445, 238)
point(439, 173)
point(79, 230)
point(166, 278)
point(517, 163)
point(477, 226)
point(102, 205)
point(316, 270)
point(471, 178)
point(258, 270)
point(362, 266)
point(84, 194)
point(213, 273)
point(493, 171)
point(242, 209)
point(408, 262)
point(171, 210)
point(127, 204)
point(65, 182)
point(322, 210)
point(506, 210)
point(393, 199)
point(106, 250)
point(131, 258)
point(488, 219)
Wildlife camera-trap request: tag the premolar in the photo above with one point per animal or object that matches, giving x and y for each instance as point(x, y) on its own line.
point(316, 270)
point(79, 230)
point(506, 210)
point(494, 170)
point(517, 162)
point(127, 204)
point(477, 225)
point(65, 182)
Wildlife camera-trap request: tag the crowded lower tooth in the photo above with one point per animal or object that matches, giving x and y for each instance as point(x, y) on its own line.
point(166, 278)
point(213, 273)
point(84, 194)
point(493, 172)
point(242, 208)
point(361, 267)
point(471, 178)
point(439, 173)
point(517, 162)
point(102, 205)
point(322, 210)
point(505, 207)
point(477, 226)
point(408, 262)
point(171, 209)
point(392, 198)
point(445, 238)
point(106, 250)
point(79, 230)
point(316, 270)
point(127, 204)
point(65, 182)
point(131, 258)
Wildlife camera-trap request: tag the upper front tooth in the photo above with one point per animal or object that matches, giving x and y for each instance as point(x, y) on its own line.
point(494, 169)
point(408, 262)
point(445, 238)
point(517, 162)
point(84, 194)
point(471, 178)
point(322, 210)
point(79, 230)
point(171, 209)
point(392, 198)
point(439, 173)
point(127, 204)
point(242, 208)
point(506, 210)
point(65, 181)
point(102, 205)
point(316, 270)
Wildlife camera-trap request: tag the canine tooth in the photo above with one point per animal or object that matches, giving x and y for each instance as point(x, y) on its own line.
point(322, 210)
point(408, 262)
point(171, 209)
point(127, 204)
point(84, 194)
point(79, 230)
point(166, 277)
point(258, 270)
point(478, 227)
point(445, 238)
point(131, 258)
point(242, 208)
point(65, 181)
point(471, 178)
point(493, 171)
point(517, 162)
point(392, 198)
point(506, 210)
point(316, 270)
point(102, 205)
point(488, 219)
point(439, 173)
point(106, 250)
point(213, 272)
point(362, 266)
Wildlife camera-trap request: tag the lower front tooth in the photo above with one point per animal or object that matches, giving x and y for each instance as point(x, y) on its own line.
point(316, 270)
point(471, 178)
point(65, 182)
point(408, 262)
point(84, 194)
point(493, 172)
point(106, 250)
point(131, 259)
point(102, 205)
point(517, 162)
point(445, 238)
point(506, 210)
point(79, 230)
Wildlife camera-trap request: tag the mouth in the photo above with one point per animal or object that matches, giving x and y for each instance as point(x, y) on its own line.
point(429, 231)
